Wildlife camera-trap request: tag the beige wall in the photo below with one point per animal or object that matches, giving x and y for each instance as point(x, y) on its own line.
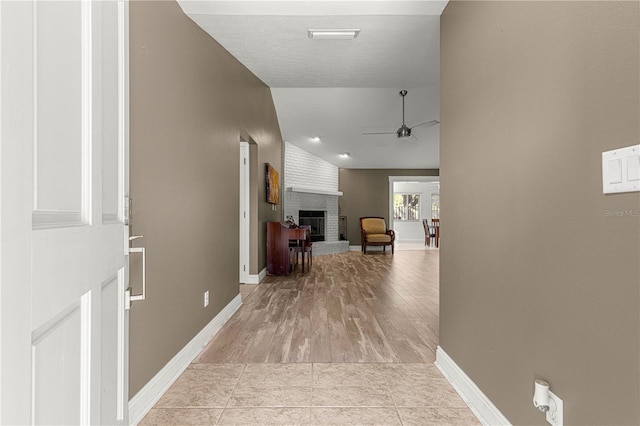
point(366, 193)
point(191, 102)
point(544, 283)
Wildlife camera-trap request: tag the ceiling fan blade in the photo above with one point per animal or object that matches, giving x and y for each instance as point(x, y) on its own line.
point(379, 133)
point(428, 124)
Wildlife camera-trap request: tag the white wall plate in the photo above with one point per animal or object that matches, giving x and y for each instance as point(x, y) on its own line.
point(621, 170)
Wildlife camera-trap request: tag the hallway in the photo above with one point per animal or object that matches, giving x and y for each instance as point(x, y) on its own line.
point(352, 342)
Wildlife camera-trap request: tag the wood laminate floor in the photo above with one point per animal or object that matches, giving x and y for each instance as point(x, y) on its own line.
point(350, 343)
point(376, 308)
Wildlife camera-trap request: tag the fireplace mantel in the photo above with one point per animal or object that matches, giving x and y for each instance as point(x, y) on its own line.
point(313, 191)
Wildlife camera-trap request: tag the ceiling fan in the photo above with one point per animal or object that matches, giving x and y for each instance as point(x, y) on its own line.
point(404, 131)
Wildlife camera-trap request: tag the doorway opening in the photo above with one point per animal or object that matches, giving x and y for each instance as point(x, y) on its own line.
point(413, 199)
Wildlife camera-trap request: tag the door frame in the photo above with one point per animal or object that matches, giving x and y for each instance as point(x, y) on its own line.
point(244, 213)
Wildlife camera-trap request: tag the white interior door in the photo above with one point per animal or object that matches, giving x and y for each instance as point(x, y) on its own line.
point(244, 212)
point(63, 171)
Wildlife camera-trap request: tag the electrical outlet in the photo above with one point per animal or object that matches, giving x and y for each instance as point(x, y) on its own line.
point(206, 298)
point(556, 408)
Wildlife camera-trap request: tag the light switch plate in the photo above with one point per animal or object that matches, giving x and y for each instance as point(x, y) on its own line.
point(621, 170)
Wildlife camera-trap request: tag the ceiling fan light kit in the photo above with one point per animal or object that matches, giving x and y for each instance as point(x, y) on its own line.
point(404, 132)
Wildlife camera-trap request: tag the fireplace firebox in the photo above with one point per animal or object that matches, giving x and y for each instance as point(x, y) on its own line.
point(316, 220)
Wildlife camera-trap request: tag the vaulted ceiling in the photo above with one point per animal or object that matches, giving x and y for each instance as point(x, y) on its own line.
point(338, 89)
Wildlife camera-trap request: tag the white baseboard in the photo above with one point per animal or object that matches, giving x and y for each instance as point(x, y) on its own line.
point(256, 279)
point(481, 406)
point(146, 398)
point(355, 248)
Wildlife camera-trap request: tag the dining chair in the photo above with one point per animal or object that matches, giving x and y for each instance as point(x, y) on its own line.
point(436, 225)
point(429, 232)
point(305, 249)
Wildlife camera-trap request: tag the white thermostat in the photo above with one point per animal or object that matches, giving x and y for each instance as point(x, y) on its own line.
point(621, 170)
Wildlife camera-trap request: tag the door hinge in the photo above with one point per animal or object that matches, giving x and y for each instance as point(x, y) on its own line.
point(244, 267)
point(244, 160)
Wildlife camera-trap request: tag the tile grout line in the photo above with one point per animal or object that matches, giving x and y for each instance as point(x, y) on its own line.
point(231, 394)
point(311, 391)
point(385, 372)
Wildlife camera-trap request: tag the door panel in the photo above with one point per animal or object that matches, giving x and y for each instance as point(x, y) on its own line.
point(66, 100)
point(61, 98)
point(57, 349)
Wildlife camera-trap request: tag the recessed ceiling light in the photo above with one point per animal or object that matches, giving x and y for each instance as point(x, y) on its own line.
point(345, 155)
point(334, 34)
point(315, 139)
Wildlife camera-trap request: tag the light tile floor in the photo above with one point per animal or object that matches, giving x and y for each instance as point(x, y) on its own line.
point(311, 394)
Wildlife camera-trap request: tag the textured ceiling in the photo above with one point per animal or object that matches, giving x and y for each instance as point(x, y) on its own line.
point(339, 88)
point(391, 51)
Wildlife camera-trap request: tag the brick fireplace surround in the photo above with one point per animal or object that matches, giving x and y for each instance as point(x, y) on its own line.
point(312, 184)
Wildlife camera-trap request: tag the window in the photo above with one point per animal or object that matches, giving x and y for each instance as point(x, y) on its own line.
point(435, 206)
point(406, 206)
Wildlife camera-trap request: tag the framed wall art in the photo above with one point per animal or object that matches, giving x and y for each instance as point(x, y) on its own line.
point(273, 185)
